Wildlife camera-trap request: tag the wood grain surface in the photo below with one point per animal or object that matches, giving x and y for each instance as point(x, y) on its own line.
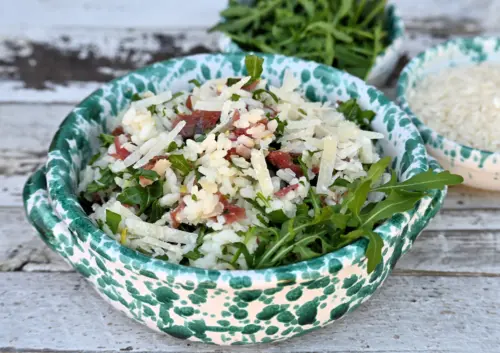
point(442, 297)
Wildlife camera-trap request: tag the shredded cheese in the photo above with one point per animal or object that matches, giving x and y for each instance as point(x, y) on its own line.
point(163, 141)
point(327, 164)
point(154, 100)
point(163, 233)
point(259, 164)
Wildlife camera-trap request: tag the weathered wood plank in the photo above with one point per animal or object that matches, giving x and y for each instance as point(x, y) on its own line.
point(59, 57)
point(453, 251)
point(21, 249)
point(65, 65)
point(60, 312)
point(30, 127)
point(474, 251)
point(168, 14)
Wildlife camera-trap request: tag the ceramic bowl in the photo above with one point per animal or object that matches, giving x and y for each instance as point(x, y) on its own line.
point(480, 169)
point(385, 63)
point(221, 307)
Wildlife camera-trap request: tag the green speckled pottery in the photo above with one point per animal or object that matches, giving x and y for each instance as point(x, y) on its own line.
point(221, 307)
point(480, 169)
point(385, 63)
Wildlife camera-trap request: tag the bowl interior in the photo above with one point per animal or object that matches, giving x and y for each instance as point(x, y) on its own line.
point(457, 52)
point(76, 141)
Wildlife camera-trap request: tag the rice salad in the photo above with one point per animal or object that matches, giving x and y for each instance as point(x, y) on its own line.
point(218, 176)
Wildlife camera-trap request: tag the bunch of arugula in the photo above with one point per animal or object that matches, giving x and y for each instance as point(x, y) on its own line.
point(347, 34)
point(327, 228)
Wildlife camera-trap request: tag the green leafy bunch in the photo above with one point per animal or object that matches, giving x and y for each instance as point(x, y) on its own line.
point(347, 34)
point(317, 229)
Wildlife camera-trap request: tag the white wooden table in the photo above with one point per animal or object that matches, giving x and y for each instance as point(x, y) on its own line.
point(444, 296)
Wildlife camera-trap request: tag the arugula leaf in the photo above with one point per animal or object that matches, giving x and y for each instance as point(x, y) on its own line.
point(242, 249)
point(106, 139)
point(195, 82)
point(135, 195)
point(106, 181)
point(141, 196)
point(396, 202)
point(175, 96)
point(353, 112)
point(232, 80)
point(172, 147)
point(136, 97)
point(374, 250)
point(378, 169)
point(113, 220)
point(253, 65)
point(264, 199)
point(257, 94)
point(277, 216)
point(94, 158)
point(357, 199)
point(280, 130)
point(180, 163)
point(152, 109)
point(423, 182)
point(156, 213)
point(193, 255)
point(146, 173)
point(341, 182)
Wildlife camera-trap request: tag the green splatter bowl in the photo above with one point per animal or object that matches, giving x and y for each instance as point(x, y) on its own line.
point(480, 168)
point(221, 307)
point(385, 63)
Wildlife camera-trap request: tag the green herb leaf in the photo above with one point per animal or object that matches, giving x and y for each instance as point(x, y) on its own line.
point(175, 96)
point(341, 182)
point(280, 130)
point(423, 182)
point(143, 197)
point(172, 147)
point(195, 82)
point(231, 81)
point(378, 169)
point(106, 140)
point(396, 202)
point(235, 97)
point(157, 211)
point(148, 174)
point(277, 217)
point(353, 112)
point(135, 97)
point(193, 255)
point(257, 94)
point(106, 181)
point(152, 109)
point(254, 67)
point(113, 220)
point(374, 250)
point(180, 163)
point(94, 158)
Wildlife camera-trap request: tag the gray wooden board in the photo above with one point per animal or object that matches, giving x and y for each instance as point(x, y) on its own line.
point(61, 312)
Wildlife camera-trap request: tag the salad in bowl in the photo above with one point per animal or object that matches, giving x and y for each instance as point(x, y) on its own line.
point(235, 199)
